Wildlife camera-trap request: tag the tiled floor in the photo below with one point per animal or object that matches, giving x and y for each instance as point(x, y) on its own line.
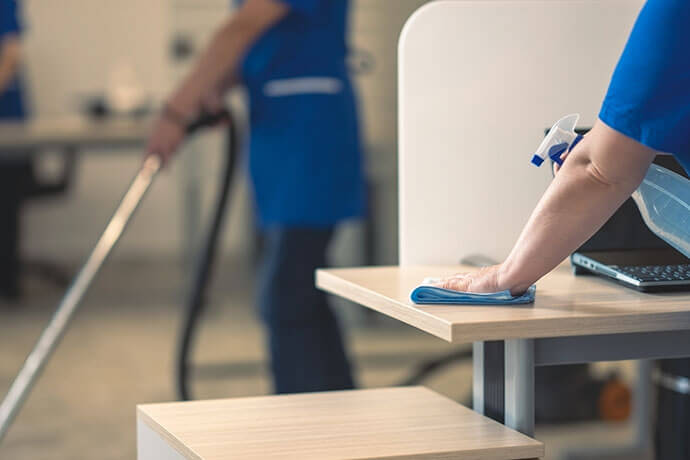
point(119, 351)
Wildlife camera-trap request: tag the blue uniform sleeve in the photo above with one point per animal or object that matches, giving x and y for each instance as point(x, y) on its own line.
point(9, 20)
point(649, 95)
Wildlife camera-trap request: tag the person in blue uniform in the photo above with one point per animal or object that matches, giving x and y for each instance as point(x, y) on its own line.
point(304, 161)
point(13, 171)
point(646, 111)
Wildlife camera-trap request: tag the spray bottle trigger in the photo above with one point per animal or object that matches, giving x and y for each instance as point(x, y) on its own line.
point(556, 151)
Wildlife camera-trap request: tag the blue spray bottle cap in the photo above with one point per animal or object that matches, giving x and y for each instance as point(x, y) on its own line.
point(561, 138)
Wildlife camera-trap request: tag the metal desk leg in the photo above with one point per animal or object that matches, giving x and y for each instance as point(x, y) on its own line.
point(478, 377)
point(519, 385)
point(488, 381)
point(642, 405)
point(503, 382)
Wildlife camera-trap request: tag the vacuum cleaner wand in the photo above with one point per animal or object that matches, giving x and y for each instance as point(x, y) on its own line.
point(52, 334)
point(50, 338)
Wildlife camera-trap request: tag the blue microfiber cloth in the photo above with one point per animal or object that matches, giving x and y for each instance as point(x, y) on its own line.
point(426, 294)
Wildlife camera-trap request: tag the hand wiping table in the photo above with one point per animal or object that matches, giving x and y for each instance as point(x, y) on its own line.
point(427, 293)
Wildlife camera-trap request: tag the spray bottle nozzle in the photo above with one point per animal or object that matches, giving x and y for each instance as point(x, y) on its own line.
point(561, 138)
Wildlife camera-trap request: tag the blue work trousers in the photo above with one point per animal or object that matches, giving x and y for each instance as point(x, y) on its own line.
point(306, 347)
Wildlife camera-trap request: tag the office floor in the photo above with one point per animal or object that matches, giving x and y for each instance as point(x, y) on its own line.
point(119, 349)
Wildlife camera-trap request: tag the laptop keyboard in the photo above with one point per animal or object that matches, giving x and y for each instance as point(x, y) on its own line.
point(657, 272)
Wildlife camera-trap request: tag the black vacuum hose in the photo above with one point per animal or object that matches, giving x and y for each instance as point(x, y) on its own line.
point(196, 301)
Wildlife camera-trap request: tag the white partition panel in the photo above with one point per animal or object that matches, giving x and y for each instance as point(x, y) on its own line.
point(479, 81)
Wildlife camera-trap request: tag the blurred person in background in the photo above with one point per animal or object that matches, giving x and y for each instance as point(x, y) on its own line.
point(304, 161)
point(14, 171)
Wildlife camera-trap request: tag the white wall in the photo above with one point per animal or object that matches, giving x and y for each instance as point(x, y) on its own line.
point(71, 47)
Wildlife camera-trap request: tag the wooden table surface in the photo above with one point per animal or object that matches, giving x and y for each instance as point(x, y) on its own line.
point(72, 131)
point(393, 423)
point(565, 305)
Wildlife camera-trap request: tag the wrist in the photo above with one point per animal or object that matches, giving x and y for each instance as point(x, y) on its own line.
point(183, 105)
point(509, 278)
point(179, 117)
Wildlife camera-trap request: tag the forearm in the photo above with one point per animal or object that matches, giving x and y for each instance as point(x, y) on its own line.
point(9, 61)
point(598, 176)
point(217, 61)
point(216, 69)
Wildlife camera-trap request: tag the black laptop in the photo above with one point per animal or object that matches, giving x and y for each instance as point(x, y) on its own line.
point(624, 250)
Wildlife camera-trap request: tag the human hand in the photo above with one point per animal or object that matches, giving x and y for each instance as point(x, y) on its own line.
point(578, 144)
point(213, 101)
point(165, 137)
point(556, 166)
point(486, 279)
point(213, 114)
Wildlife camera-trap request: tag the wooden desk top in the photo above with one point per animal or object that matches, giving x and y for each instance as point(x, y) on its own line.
point(394, 423)
point(73, 132)
point(565, 305)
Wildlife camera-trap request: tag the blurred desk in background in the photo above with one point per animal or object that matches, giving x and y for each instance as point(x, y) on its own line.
point(75, 135)
point(71, 134)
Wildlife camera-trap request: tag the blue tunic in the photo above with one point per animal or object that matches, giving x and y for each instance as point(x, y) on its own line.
point(305, 155)
point(11, 103)
point(649, 95)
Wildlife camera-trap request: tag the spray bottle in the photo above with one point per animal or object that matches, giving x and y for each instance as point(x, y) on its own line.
point(561, 138)
point(663, 197)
